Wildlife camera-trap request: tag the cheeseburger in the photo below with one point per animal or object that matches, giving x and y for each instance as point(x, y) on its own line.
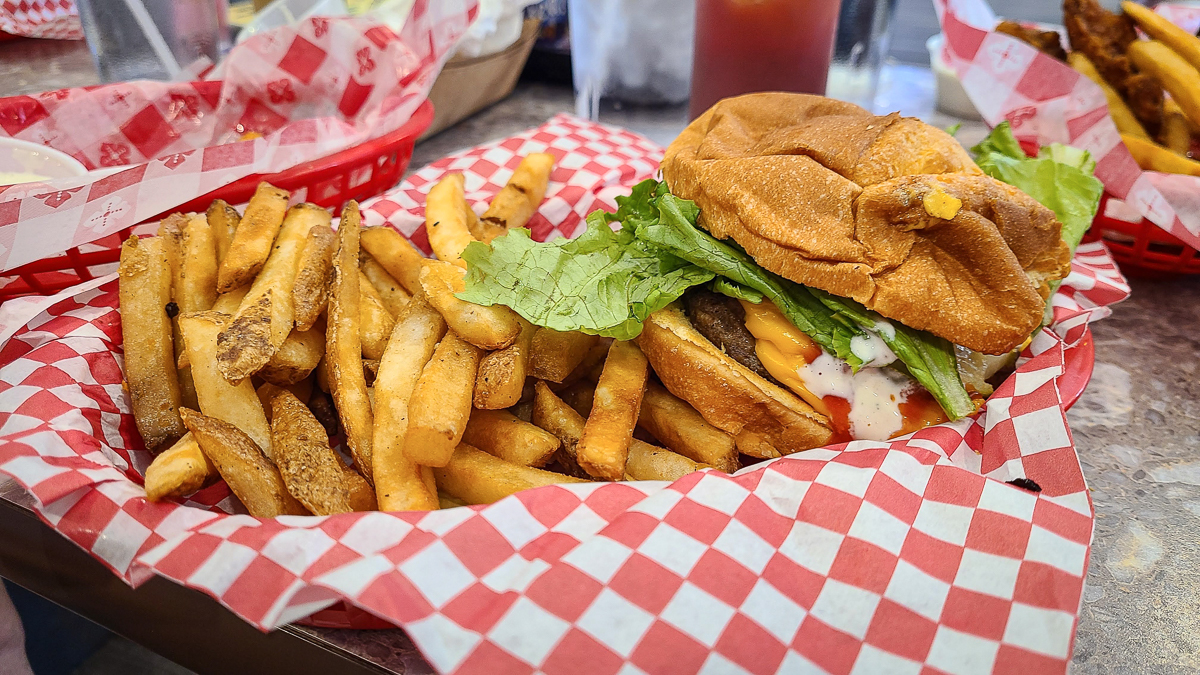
point(806, 272)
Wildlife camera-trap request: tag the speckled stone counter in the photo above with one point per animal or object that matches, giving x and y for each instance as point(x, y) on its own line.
point(1137, 427)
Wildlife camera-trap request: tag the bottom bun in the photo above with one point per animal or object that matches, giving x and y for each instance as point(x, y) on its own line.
point(728, 395)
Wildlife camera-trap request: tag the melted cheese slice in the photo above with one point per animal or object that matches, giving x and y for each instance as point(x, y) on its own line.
point(783, 349)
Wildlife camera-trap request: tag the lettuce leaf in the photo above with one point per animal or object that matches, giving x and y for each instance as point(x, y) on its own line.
point(601, 282)
point(1060, 178)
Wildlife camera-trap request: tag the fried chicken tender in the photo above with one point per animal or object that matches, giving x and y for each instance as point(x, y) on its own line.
point(1104, 37)
point(1046, 41)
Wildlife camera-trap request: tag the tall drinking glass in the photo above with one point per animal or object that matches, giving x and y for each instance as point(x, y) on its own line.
point(744, 46)
point(863, 35)
point(153, 39)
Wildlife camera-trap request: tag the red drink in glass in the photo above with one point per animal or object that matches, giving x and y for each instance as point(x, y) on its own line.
point(744, 46)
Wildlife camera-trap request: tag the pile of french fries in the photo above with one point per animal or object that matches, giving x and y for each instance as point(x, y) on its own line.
point(1172, 57)
point(253, 340)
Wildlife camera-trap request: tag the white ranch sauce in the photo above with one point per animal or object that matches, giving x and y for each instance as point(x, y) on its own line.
point(875, 394)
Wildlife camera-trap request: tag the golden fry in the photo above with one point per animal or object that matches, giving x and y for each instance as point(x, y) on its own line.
point(500, 433)
point(1122, 115)
point(223, 220)
point(1177, 76)
point(311, 290)
point(375, 322)
point(678, 426)
point(475, 477)
point(391, 250)
point(311, 470)
point(441, 402)
point(1160, 28)
point(579, 396)
point(502, 373)
point(236, 404)
point(605, 444)
point(1154, 157)
point(478, 229)
point(178, 471)
point(228, 303)
point(267, 313)
point(170, 231)
point(1176, 130)
point(645, 461)
point(446, 219)
point(398, 480)
point(249, 475)
point(150, 372)
point(521, 197)
point(755, 445)
point(343, 346)
point(555, 354)
point(251, 244)
point(394, 297)
point(297, 357)
point(196, 281)
point(494, 327)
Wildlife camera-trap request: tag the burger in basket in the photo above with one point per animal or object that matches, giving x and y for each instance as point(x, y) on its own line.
point(806, 273)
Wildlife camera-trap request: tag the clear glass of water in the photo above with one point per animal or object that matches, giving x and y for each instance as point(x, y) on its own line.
point(863, 36)
point(154, 39)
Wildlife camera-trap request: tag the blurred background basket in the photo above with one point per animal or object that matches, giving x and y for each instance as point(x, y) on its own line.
point(1140, 247)
point(354, 173)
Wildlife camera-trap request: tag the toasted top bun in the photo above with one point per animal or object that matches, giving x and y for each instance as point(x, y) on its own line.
point(888, 211)
point(727, 394)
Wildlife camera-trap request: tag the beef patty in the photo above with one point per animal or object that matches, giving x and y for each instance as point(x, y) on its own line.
point(722, 321)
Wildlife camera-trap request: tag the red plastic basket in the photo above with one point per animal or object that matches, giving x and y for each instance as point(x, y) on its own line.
point(1140, 247)
point(355, 173)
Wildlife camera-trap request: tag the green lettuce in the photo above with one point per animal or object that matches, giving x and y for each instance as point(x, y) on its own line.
point(1060, 178)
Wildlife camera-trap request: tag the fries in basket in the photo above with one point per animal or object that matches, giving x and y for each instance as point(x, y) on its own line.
point(442, 401)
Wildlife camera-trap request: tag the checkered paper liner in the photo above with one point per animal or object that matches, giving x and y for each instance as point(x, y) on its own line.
point(310, 90)
point(865, 557)
point(51, 19)
point(1047, 101)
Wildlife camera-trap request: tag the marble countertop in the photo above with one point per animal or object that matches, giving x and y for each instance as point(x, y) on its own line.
point(1137, 427)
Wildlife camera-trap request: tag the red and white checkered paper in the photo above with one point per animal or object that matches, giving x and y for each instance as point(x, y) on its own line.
point(310, 89)
point(51, 19)
point(1046, 101)
point(906, 556)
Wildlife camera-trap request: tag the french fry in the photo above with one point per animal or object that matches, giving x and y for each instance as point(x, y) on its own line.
point(1154, 157)
point(605, 444)
point(362, 495)
point(178, 471)
point(494, 327)
point(579, 396)
point(223, 220)
point(394, 297)
point(311, 470)
point(446, 219)
point(445, 501)
point(1122, 115)
point(1177, 76)
point(502, 373)
point(170, 231)
point(251, 243)
point(375, 322)
point(228, 303)
point(321, 405)
point(678, 426)
point(645, 461)
point(343, 346)
point(196, 281)
point(311, 290)
point(150, 372)
point(755, 445)
point(475, 477)
point(441, 402)
point(371, 370)
point(399, 484)
point(554, 354)
point(249, 475)
point(236, 404)
point(500, 433)
point(478, 229)
point(520, 198)
point(1160, 28)
point(297, 357)
point(266, 316)
point(1176, 130)
point(391, 250)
